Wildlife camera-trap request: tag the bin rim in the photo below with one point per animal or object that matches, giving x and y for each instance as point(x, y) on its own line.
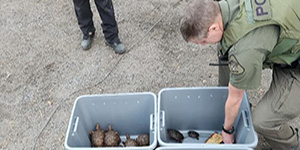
point(164, 144)
point(152, 146)
point(204, 148)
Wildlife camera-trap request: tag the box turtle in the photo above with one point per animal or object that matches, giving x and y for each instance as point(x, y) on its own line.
point(193, 134)
point(129, 142)
point(112, 138)
point(97, 137)
point(175, 135)
point(143, 140)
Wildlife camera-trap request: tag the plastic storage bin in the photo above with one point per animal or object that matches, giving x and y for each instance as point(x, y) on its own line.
point(201, 148)
point(201, 110)
point(132, 113)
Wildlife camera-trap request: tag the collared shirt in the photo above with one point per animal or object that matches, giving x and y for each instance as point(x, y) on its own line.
point(229, 9)
point(246, 57)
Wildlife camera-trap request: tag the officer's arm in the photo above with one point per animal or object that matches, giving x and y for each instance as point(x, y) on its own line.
point(232, 107)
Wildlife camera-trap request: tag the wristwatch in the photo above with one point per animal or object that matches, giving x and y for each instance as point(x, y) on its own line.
point(228, 131)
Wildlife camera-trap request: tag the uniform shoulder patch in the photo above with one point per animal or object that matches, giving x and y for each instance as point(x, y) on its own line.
point(234, 66)
point(261, 10)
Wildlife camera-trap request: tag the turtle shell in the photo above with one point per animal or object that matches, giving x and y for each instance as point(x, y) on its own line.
point(175, 135)
point(112, 138)
point(129, 142)
point(193, 134)
point(143, 140)
point(97, 137)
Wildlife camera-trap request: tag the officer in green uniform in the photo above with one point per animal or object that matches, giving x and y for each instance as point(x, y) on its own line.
point(254, 34)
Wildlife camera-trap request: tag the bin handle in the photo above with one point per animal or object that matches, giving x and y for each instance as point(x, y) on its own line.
point(75, 125)
point(151, 122)
point(162, 118)
point(245, 118)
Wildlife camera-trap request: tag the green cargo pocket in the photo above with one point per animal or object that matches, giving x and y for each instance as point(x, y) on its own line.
point(283, 46)
point(283, 95)
point(284, 52)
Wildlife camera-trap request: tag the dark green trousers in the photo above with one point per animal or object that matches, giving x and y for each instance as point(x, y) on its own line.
point(279, 105)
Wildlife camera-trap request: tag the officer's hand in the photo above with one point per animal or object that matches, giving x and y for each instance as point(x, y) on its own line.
point(227, 138)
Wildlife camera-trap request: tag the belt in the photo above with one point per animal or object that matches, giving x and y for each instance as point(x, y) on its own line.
point(294, 65)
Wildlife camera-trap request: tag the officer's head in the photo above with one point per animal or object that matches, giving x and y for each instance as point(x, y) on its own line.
point(201, 22)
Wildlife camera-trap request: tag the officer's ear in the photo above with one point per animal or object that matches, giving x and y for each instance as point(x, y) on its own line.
point(214, 27)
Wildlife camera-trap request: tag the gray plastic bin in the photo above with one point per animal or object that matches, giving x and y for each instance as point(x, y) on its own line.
point(201, 110)
point(201, 148)
point(132, 113)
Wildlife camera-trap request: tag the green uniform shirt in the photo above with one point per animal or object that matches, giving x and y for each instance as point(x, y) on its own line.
point(247, 56)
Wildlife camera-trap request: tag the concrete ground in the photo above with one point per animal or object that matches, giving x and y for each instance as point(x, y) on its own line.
point(44, 69)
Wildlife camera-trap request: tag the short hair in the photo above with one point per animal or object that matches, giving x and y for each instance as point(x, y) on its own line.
point(197, 16)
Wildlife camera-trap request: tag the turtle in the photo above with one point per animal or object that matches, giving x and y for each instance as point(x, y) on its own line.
point(97, 137)
point(215, 138)
point(129, 142)
point(175, 135)
point(112, 138)
point(143, 140)
point(193, 134)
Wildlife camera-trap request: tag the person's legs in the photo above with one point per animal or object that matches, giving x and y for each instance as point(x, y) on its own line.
point(85, 21)
point(278, 106)
point(84, 16)
point(109, 24)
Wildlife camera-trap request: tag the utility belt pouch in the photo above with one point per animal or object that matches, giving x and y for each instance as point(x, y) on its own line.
point(221, 56)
